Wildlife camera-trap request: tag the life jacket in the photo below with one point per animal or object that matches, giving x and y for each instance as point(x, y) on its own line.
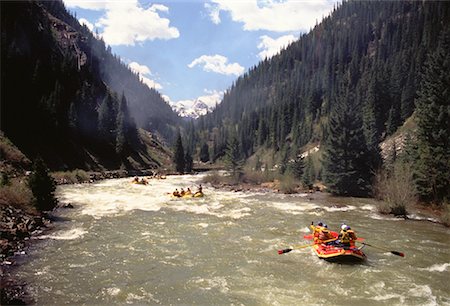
point(347, 236)
point(352, 235)
point(316, 232)
point(344, 237)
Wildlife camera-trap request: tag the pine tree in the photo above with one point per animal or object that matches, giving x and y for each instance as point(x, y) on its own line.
point(433, 122)
point(232, 155)
point(297, 167)
point(126, 134)
point(178, 157)
point(308, 176)
point(204, 153)
point(188, 162)
point(346, 170)
point(42, 186)
point(107, 115)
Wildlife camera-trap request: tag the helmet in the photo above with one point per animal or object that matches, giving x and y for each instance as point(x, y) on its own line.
point(325, 225)
point(320, 223)
point(344, 227)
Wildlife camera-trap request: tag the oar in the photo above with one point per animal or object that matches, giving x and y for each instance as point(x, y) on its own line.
point(302, 246)
point(380, 248)
point(295, 248)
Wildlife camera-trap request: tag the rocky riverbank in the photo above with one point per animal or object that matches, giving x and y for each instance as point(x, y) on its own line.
point(18, 228)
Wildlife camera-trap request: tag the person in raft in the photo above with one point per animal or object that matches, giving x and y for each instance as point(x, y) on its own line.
point(188, 192)
point(321, 232)
point(176, 193)
point(347, 236)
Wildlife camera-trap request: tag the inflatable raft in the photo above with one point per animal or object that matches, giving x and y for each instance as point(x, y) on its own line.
point(336, 253)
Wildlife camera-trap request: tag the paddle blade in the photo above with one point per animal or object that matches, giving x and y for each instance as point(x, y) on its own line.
point(398, 253)
point(284, 251)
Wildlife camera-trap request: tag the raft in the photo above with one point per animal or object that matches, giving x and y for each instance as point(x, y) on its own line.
point(198, 195)
point(189, 195)
point(139, 183)
point(336, 253)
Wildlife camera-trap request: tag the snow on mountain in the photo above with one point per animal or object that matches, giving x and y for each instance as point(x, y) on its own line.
point(198, 107)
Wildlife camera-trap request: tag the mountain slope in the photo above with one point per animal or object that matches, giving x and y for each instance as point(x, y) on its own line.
point(56, 102)
point(373, 49)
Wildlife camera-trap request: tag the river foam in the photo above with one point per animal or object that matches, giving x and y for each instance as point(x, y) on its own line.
point(437, 268)
point(66, 235)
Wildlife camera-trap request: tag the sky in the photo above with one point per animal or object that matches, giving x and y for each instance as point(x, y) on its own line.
point(191, 49)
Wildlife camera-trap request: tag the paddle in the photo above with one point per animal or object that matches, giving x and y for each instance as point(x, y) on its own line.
point(301, 247)
point(295, 248)
point(392, 252)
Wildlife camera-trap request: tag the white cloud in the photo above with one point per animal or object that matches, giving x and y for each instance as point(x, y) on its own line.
point(151, 83)
point(128, 23)
point(271, 46)
point(273, 15)
point(87, 4)
point(212, 97)
point(89, 25)
point(138, 68)
point(214, 12)
point(144, 74)
point(217, 63)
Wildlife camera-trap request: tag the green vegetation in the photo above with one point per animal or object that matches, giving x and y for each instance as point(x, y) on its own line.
point(178, 156)
point(42, 186)
point(347, 85)
point(432, 167)
point(346, 158)
point(71, 177)
point(71, 114)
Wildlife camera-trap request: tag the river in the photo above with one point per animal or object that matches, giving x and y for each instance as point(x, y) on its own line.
point(133, 244)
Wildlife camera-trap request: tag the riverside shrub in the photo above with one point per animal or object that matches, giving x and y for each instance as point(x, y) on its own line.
point(42, 186)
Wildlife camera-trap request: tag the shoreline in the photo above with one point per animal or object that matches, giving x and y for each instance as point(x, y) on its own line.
point(416, 212)
point(20, 230)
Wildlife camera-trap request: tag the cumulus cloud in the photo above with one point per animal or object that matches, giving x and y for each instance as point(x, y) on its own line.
point(214, 12)
point(151, 83)
point(212, 97)
point(128, 23)
point(138, 68)
point(144, 74)
point(87, 4)
point(271, 46)
point(273, 15)
point(89, 25)
point(217, 63)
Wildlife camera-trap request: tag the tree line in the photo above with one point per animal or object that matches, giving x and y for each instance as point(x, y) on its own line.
point(347, 85)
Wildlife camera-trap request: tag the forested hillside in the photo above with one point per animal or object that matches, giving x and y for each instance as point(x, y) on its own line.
point(365, 62)
point(67, 98)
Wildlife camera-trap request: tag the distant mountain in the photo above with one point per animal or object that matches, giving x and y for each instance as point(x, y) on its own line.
point(66, 98)
point(192, 110)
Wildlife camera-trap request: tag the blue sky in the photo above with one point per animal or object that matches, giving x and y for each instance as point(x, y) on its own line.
point(192, 49)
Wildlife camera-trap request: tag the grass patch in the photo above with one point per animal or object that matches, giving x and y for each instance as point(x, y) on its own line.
point(17, 194)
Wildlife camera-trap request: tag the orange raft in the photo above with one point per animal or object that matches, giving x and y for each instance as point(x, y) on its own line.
point(336, 253)
point(333, 252)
